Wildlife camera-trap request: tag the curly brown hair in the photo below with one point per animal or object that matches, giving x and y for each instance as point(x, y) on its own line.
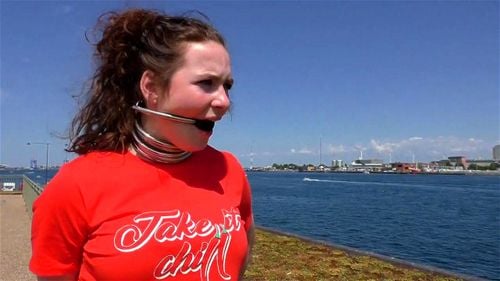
point(131, 42)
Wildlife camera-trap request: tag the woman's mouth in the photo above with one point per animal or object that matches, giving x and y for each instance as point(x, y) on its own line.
point(205, 125)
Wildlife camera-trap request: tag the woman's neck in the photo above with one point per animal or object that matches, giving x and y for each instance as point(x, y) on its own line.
point(154, 150)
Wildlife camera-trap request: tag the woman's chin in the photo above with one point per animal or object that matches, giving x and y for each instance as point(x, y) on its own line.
point(193, 147)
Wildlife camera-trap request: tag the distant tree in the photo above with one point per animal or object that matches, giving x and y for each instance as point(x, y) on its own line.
point(482, 168)
point(289, 166)
point(472, 167)
point(494, 166)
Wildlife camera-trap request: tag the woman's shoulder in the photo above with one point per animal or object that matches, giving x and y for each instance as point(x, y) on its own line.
point(226, 156)
point(96, 157)
point(93, 165)
point(103, 162)
point(92, 173)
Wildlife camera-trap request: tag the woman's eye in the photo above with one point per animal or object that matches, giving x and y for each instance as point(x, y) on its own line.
point(206, 83)
point(211, 85)
point(228, 86)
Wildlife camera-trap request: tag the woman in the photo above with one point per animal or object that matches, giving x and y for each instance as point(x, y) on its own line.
point(148, 199)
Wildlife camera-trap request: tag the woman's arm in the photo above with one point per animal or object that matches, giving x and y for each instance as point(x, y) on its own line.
point(251, 241)
point(59, 229)
point(248, 258)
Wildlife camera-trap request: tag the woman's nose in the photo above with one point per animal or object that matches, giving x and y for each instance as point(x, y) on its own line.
point(221, 98)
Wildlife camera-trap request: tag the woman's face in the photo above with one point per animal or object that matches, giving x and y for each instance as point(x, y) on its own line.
point(198, 89)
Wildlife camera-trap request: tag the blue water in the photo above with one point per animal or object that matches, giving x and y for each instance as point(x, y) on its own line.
point(37, 175)
point(449, 222)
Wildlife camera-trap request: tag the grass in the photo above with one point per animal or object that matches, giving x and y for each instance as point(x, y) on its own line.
point(279, 257)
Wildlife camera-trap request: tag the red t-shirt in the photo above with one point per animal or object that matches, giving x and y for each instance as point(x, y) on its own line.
point(112, 216)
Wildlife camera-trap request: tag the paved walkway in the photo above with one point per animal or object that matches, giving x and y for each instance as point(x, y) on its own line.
point(15, 247)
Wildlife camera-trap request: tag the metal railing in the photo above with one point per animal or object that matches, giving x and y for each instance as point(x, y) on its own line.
point(11, 183)
point(31, 191)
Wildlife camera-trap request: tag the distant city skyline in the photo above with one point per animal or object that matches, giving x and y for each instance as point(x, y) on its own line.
point(322, 159)
point(396, 80)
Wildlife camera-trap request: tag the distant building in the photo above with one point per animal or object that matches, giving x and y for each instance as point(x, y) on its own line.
point(324, 168)
point(480, 163)
point(33, 164)
point(440, 163)
point(310, 168)
point(458, 161)
point(496, 152)
point(337, 164)
point(403, 167)
point(367, 164)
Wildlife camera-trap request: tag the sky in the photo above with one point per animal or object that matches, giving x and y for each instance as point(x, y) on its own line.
point(314, 80)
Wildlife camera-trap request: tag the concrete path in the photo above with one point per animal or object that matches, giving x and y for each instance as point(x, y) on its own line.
point(15, 247)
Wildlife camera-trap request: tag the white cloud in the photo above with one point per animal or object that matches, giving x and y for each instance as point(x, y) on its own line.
point(423, 149)
point(336, 148)
point(429, 149)
point(251, 154)
point(359, 147)
point(301, 151)
point(305, 151)
point(254, 154)
point(387, 147)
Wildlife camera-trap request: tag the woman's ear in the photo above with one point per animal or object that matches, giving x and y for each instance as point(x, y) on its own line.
point(148, 88)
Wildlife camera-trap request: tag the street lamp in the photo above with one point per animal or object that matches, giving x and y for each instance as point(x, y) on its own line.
point(47, 144)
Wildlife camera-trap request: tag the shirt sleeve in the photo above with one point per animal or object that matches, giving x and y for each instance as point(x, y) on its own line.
point(246, 211)
point(245, 207)
point(59, 227)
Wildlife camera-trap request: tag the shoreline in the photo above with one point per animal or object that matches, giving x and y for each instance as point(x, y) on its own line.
point(284, 256)
point(450, 173)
